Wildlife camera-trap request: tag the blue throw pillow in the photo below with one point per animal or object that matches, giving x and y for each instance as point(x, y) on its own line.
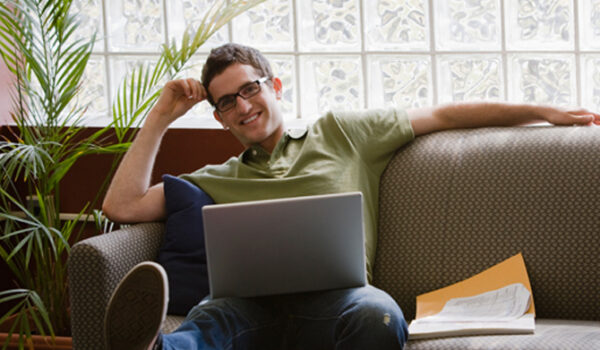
point(182, 253)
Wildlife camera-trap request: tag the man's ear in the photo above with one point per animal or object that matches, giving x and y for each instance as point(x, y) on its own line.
point(277, 87)
point(219, 119)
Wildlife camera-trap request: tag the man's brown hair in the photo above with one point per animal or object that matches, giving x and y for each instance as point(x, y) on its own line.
point(224, 56)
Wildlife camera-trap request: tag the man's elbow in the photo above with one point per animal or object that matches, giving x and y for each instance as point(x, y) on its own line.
point(423, 123)
point(118, 213)
point(132, 212)
point(110, 210)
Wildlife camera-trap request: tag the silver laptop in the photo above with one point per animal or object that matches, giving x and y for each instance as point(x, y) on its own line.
point(287, 245)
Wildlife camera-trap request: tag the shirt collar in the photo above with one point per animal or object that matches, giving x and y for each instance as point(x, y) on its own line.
point(297, 133)
point(255, 152)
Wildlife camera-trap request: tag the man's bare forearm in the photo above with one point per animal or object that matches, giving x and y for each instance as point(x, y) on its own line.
point(472, 115)
point(128, 194)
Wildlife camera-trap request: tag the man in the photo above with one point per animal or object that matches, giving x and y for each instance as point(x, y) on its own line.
point(340, 152)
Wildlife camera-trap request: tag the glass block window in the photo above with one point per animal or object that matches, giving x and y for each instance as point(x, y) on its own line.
point(399, 81)
point(188, 13)
point(543, 25)
point(331, 83)
point(353, 54)
point(397, 25)
point(468, 25)
point(133, 26)
point(543, 78)
point(269, 26)
point(470, 78)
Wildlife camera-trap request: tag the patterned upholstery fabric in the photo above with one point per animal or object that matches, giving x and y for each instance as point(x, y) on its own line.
point(549, 335)
point(451, 204)
point(171, 323)
point(457, 202)
point(96, 265)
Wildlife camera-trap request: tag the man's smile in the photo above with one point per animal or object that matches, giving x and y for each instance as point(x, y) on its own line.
point(250, 119)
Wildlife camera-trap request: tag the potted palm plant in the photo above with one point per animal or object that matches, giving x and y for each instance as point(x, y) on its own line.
point(38, 45)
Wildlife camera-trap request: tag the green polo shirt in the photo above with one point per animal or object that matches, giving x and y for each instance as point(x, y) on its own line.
point(340, 152)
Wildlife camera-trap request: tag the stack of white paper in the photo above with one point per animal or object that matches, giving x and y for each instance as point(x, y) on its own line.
point(498, 311)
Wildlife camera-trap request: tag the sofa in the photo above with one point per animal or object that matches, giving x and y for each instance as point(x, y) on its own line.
point(452, 204)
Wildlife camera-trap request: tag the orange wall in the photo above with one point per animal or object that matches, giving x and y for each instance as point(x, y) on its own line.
point(182, 151)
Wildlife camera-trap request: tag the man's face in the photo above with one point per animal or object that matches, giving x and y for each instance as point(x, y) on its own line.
point(254, 121)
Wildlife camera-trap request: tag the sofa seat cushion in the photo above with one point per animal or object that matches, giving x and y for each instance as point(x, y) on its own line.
point(549, 335)
point(171, 323)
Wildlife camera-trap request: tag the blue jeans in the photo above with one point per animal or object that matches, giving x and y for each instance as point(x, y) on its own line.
point(356, 318)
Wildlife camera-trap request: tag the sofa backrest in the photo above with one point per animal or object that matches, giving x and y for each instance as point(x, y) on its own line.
point(454, 203)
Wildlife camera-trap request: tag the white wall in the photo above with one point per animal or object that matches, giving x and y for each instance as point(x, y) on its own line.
point(5, 100)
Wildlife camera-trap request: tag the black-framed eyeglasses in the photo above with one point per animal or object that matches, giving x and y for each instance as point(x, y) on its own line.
point(228, 102)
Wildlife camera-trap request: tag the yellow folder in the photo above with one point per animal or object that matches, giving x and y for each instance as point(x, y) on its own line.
point(510, 271)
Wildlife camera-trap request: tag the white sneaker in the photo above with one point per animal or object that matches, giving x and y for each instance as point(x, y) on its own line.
point(137, 308)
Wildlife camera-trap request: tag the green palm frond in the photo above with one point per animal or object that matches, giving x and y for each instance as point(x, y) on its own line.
point(8, 29)
point(33, 233)
point(39, 46)
point(29, 307)
point(44, 55)
point(136, 95)
point(28, 159)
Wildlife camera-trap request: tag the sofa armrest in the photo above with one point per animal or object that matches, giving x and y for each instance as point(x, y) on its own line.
point(95, 266)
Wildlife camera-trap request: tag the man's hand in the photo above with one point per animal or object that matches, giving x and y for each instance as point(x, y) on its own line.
point(178, 97)
point(565, 116)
